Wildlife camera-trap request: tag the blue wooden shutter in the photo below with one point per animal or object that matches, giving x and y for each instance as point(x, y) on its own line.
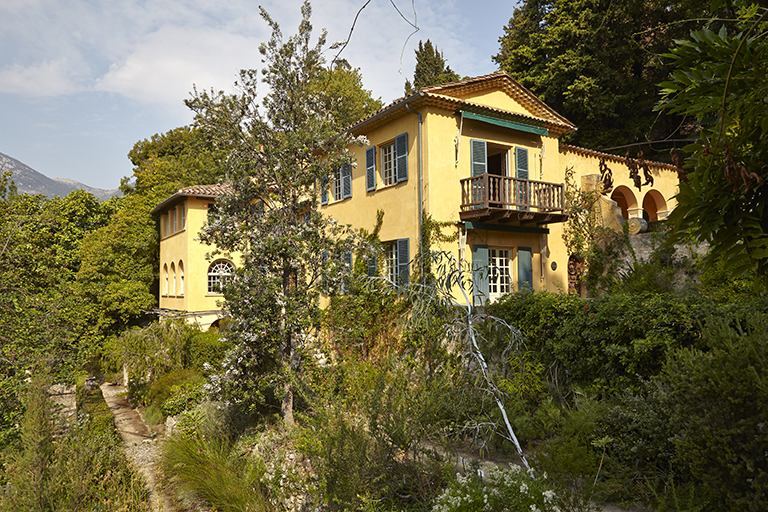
point(370, 168)
point(346, 181)
point(372, 266)
point(479, 151)
point(524, 268)
point(480, 286)
point(401, 157)
point(403, 259)
point(324, 191)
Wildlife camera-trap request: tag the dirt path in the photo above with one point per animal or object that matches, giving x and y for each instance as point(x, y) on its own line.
point(139, 444)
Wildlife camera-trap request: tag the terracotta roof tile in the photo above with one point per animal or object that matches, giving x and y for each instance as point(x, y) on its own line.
point(615, 158)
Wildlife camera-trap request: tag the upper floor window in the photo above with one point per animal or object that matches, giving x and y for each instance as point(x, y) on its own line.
point(341, 185)
point(393, 162)
point(388, 164)
point(219, 273)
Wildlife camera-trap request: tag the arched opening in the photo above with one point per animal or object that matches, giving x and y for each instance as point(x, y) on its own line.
point(181, 278)
point(654, 206)
point(173, 275)
point(625, 200)
point(165, 277)
point(219, 273)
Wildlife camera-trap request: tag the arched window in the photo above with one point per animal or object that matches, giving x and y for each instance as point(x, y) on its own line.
point(181, 278)
point(165, 276)
point(219, 273)
point(173, 275)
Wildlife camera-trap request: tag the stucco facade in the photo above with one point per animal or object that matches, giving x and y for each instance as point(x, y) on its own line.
point(188, 272)
point(484, 155)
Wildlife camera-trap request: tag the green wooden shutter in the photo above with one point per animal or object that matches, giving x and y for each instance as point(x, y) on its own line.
point(479, 274)
point(523, 191)
point(346, 181)
point(521, 163)
point(479, 150)
point(403, 259)
point(524, 268)
point(401, 157)
point(370, 169)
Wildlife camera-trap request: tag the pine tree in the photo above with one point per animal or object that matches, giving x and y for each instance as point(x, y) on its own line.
point(431, 69)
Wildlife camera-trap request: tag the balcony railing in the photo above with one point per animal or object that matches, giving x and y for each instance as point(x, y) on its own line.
point(502, 192)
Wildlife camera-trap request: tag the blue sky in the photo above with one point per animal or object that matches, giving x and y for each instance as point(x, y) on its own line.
point(81, 81)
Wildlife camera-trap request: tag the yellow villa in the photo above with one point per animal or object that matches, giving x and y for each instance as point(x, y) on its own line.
point(189, 276)
point(482, 154)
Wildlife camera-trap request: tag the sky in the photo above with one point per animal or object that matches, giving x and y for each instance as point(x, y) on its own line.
point(81, 81)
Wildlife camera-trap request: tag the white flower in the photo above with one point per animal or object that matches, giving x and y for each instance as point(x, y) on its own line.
point(549, 496)
point(523, 488)
point(534, 508)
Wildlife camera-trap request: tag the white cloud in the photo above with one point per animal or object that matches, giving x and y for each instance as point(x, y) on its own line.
point(162, 69)
point(51, 78)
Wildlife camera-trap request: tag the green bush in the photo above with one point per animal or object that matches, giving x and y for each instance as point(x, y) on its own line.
point(84, 469)
point(718, 406)
point(206, 348)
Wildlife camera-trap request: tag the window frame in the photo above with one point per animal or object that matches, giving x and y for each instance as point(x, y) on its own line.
point(219, 278)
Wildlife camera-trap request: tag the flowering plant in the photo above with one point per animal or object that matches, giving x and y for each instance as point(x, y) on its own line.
point(513, 490)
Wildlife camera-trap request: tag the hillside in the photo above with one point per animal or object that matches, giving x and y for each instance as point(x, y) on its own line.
point(29, 181)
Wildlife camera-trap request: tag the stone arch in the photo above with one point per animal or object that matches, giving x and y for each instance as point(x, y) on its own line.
point(625, 199)
point(173, 277)
point(654, 206)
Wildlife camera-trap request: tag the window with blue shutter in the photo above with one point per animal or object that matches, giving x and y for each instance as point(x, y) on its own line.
point(370, 169)
point(346, 181)
point(480, 286)
point(524, 268)
point(372, 267)
point(401, 157)
point(403, 260)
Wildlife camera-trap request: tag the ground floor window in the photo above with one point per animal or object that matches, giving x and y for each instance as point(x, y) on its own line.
point(499, 273)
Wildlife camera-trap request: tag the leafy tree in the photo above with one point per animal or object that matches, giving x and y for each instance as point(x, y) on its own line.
point(119, 268)
point(41, 315)
point(719, 83)
point(431, 69)
point(279, 154)
point(341, 87)
point(597, 62)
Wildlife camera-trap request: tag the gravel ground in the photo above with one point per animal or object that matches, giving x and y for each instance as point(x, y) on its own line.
point(141, 447)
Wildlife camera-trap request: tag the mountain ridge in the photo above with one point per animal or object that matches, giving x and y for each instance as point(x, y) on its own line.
point(30, 181)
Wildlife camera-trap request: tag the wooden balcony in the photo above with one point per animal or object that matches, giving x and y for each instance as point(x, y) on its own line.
point(491, 198)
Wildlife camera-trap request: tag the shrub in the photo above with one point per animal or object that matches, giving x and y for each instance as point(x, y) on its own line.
point(206, 348)
point(718, 404)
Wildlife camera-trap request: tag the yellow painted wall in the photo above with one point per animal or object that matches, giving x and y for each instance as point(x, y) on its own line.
point(184, 246)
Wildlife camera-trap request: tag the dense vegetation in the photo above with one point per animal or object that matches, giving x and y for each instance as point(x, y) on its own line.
point(653, 391)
